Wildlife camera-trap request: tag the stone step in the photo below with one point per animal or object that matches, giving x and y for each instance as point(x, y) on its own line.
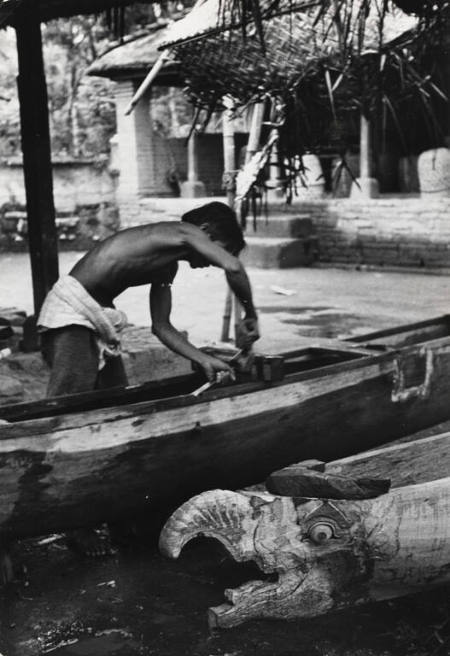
point(297, 226)
point(275, 253)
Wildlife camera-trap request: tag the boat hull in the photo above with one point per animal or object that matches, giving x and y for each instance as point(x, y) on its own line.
point(77, 469)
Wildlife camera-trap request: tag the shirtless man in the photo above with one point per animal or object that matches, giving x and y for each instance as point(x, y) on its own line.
point(206, 236)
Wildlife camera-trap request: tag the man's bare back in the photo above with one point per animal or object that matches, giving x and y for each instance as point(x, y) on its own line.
point(149, 255)
point(131, 257)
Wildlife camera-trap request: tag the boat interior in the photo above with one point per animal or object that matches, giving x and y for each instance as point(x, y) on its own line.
point(319, 354)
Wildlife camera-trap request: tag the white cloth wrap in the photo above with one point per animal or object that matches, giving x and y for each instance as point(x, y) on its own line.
point(68, 303)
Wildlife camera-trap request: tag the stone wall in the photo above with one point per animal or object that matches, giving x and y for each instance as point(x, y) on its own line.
point(394, 232)
point(84, 193)
point(75, 183)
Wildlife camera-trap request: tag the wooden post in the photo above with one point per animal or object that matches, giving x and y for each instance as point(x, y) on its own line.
point(42, 234)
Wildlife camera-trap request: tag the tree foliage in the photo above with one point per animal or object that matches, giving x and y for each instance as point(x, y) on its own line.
point(81, 108)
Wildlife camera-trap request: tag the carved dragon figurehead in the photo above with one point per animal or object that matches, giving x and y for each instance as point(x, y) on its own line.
point(308, 543)
point(326, 554)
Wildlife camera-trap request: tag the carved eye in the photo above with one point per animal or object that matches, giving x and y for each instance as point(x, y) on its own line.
point(321, 532)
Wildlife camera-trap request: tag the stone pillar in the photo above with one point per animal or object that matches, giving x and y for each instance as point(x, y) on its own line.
point(142, 156)
point(368, 186)
point(275, 191)
point(192, 187)
point(434, 173)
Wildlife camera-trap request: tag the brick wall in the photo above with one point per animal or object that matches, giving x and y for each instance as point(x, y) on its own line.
point(401, 231)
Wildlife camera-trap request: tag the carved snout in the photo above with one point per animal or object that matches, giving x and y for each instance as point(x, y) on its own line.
point(220, 514)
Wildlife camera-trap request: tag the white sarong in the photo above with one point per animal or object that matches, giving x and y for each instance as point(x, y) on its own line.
point(68, 303)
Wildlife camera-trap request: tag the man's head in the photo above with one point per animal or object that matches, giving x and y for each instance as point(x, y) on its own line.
point(220, 223)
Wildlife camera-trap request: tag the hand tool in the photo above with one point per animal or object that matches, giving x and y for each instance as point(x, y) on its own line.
point(210, 383)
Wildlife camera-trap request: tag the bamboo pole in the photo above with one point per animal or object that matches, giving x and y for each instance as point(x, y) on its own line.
point(148, 81)
point(152, 74)
point(229, 165)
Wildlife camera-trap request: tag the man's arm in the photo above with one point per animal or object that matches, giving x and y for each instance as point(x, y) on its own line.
point(234, 270)
point(160, 309)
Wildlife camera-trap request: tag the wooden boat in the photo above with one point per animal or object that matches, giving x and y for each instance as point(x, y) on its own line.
point(81, 459)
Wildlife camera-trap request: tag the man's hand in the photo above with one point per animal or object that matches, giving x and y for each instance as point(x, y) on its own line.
point(216, 370)
point(247, 333)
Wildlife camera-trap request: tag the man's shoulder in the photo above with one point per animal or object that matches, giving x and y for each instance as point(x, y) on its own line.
point(166, 230)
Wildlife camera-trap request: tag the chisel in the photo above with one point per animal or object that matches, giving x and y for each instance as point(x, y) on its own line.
point(210, 383)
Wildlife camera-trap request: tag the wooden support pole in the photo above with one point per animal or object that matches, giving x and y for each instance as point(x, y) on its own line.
point(229, 155)
point(229, 166)
point(42, 234)
point(148, 81)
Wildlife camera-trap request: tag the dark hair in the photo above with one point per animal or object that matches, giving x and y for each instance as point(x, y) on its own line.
point(222, 224)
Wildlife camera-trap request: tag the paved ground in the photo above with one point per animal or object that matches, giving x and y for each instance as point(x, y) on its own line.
point(139, 603)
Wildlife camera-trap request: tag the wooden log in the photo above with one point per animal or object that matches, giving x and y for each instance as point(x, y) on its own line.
point(327, 555)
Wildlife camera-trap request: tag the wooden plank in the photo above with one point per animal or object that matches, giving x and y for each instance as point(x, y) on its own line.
point(299, 481)
point(42, 234)
point(327, 555)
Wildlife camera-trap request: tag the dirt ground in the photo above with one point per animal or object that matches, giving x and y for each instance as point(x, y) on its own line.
point(139, 603)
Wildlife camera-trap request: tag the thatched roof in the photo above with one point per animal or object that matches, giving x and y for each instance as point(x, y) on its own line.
point(214, 17)
point(217, 58)
point(50, 9)
point(134, 58)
